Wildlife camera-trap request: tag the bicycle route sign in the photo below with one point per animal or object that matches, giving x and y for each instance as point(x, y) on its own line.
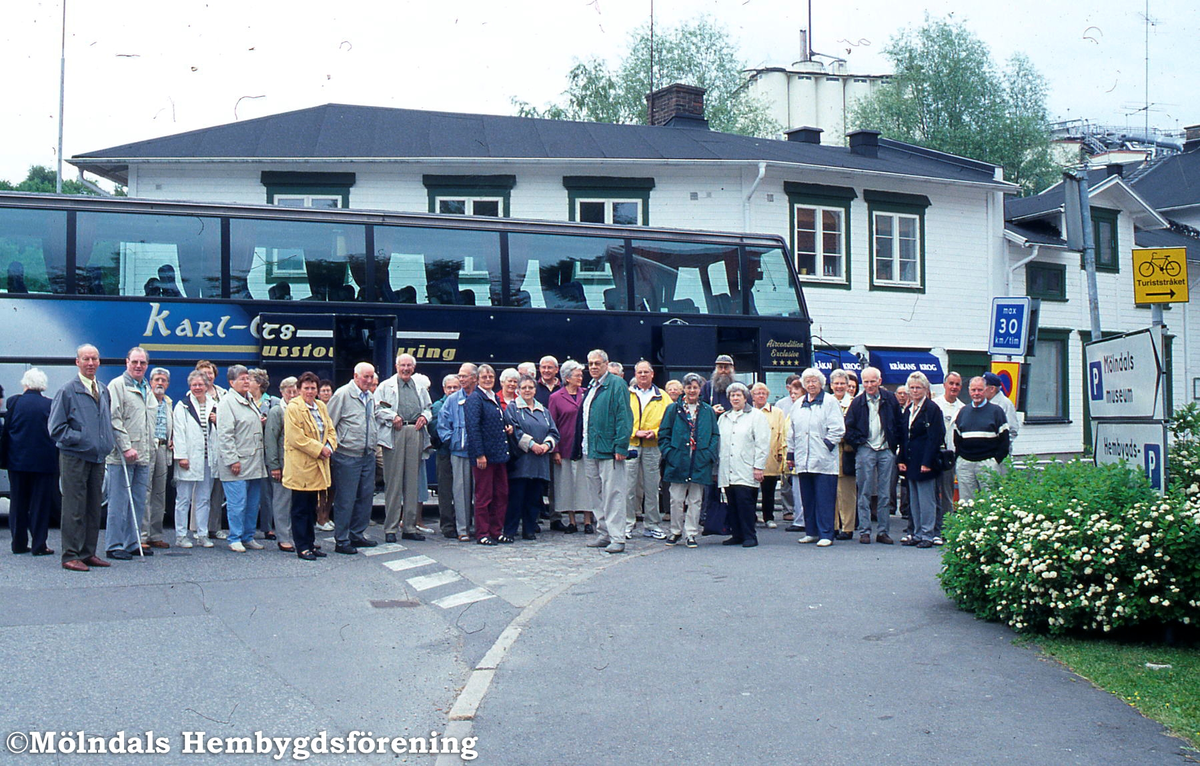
point(1160, 275)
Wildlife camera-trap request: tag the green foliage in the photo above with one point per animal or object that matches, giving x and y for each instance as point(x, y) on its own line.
point(947, 94)
point(697, 53)
point(1183, 459)
point(41, 179)
point(1075, 547)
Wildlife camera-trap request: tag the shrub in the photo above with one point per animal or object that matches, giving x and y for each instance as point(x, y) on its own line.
point(1184, 453)
point(1075, 547)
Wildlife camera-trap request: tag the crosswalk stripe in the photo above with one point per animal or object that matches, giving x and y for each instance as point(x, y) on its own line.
point(425, 582)
point(465, 597)
point(412, 562)
point(382, 548)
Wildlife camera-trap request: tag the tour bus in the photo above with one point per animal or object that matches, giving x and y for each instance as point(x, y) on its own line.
point(293, 289)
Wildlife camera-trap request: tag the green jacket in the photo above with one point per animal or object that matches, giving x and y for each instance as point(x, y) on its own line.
point(610, 420)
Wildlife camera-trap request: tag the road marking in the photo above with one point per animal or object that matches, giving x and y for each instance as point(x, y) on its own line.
point(425, 582)
point(399, 565)
point(466, 597)
point(382, 548)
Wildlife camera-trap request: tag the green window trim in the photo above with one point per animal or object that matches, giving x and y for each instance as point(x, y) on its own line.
point(897, 204)
point(1104, 217)
point(1048, 268)
point(291, 183)
point(471, 186)
point(608, 188)
point(821, 196)
point(1063, 336)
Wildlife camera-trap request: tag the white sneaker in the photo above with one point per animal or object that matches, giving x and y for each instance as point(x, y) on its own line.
point(424, 530)
point(223, 534)
point(205, 542)
point(628, 532)
point(254, 545)
point(237, 547)
point(825, 543)
point(183, 542)
point(655, 534)
point(808, 539)
point(326, 527)
point(771, 525)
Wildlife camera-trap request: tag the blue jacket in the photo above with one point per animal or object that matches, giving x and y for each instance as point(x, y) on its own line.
point(79, 425)
point(531, 425)
point(451, 424)
point(858, 428)
point(609, 419)
point(485, 428)
point(921, 442)
point(680, 465)
point(30, 447)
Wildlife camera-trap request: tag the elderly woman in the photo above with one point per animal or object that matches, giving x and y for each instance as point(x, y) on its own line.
point(570, 485)
point(260, 383)
point(508, 387)
point(281, 496)
point(240, 459)
point(922, 434)
point(487, 445)
point(776, 453)
point(815, 429)
point(688, 441)
point(847, 489)
point(745, 440)
point(32, 465)
point(309, 438)
point(851, 383)
point(195, 459)
point(535, 437)
point(674, 390)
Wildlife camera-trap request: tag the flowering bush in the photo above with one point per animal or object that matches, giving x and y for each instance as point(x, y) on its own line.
point(1076, 547)
point(1184, 452)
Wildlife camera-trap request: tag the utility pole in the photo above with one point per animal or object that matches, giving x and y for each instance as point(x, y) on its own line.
point(1078, 213)
point(62, 90)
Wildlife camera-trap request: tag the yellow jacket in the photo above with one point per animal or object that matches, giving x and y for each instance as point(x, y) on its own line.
point(303, 467)
point(648, 418)
point(777, 453)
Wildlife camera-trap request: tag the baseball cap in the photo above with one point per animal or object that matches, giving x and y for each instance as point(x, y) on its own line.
point(992, 379)
point(724, 359)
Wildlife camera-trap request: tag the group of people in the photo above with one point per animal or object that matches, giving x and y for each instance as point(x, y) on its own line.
point(530, 442)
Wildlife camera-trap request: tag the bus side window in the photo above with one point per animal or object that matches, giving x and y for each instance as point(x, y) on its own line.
point(296, 260)
point(443, 267)
point(33, 251)
point(170, 256)
point(566, 272)
point(772, 286)
point(686, 278)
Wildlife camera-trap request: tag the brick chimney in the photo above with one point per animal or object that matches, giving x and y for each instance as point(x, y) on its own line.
point(677, 106)
point(805, 135)
point(864, 143)
point(1191, 138)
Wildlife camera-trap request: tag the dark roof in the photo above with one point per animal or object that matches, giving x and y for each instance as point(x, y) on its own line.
point(1171, 182)
point(1037, 232)
point(1016, 208)
point(338, 132)
point(1172, 237)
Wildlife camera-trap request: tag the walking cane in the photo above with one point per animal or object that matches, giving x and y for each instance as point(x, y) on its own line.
point(132, 509)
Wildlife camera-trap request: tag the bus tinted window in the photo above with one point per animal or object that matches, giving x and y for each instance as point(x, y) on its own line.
point(772, 287)
point(686, 278)
point(33, 251)
point(560, 272)
point(292, 260)
point(148, 255)
point(438, 266)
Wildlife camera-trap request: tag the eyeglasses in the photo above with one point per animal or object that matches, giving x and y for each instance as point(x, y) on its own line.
point(136, 363)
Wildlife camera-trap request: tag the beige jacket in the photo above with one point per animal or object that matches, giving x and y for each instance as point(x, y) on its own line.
point(132, 420)
point(239, 439)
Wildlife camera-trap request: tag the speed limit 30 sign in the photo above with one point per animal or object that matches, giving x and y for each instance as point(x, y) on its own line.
point(1010, 326)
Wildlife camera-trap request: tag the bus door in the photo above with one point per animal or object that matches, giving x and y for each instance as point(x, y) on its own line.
point(694, 348)
point(363, 339)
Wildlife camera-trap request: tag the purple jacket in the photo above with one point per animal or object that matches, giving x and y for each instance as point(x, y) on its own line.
point(564, 409)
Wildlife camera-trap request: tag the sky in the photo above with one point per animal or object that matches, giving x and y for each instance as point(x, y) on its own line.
point(137, 69)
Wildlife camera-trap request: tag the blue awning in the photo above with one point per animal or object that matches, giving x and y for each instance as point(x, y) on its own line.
point(896, 365)
point(828, 359)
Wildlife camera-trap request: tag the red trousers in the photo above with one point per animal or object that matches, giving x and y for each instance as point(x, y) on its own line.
point(491, 499)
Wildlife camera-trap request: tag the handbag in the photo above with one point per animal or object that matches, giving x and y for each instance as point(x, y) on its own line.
point(946, 458)
point(713, 521)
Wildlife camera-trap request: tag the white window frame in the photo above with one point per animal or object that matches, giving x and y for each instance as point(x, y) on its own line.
point(820, 254)
point(895, 254)
point(469, 204)
point(307, 199)
point(608, 203)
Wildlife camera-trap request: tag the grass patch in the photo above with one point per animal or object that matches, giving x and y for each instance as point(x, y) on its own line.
point(1171, 697)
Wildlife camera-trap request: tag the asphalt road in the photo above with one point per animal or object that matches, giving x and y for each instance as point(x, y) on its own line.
point(782, 654)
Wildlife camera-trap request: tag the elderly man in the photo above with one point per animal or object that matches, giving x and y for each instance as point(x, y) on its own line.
point(402, 409)
point(981, 439)
point(281, 496)
point(128, 465)
point(81, 426)
point(949, 404)
point(994, 390)
point(352, 413)
point(607, 424)
point(648, 404)
point(714, 389)
point(445, 472)
point(160, 460)
point(548, 381)
point(451, 428)
point(873, 430)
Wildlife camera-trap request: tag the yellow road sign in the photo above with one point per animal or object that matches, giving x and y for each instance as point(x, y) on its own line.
point(1160, 275)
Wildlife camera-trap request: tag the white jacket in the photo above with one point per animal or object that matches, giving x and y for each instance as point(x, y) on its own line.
point(814, 431)
point(745, 442)
point(190, 437)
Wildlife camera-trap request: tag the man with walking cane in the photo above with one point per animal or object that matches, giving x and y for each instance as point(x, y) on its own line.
point(133, 410)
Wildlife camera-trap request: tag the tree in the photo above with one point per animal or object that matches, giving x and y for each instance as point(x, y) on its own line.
point(696, 53)
point(41, 179)
point(946, 94)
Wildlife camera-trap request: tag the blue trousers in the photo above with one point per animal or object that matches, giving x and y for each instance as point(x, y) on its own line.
point(119, 531)
point(816, 493)
point(241, 506)
point(524, 504)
